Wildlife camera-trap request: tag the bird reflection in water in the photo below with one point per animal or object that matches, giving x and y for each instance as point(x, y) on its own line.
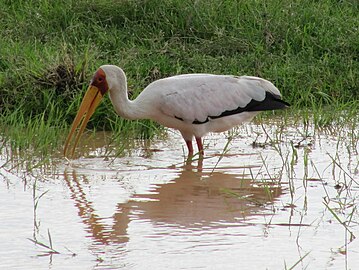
point(194, 199)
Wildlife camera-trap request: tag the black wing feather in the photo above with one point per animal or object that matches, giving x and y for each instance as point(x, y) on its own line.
point(270, 102)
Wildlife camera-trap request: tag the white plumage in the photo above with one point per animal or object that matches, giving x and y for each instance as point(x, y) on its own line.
point(194, 104)
point(195, 97)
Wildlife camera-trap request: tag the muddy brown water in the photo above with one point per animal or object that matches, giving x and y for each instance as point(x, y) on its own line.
point(289, 199)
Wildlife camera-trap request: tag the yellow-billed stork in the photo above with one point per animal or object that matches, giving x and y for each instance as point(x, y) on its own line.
point(194, 104)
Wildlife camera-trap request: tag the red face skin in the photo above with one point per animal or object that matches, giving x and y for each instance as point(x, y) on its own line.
point(99, 81)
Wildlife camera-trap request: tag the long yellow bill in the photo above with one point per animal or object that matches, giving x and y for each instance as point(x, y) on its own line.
point(88, 106)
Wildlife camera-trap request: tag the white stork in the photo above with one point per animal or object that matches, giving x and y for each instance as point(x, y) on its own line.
point(194, 104)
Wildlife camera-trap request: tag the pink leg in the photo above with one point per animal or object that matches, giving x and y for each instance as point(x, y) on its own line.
point(190, 148)
point(200, 145)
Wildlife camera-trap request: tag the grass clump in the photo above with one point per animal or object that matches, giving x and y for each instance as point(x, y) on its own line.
point(50, 49)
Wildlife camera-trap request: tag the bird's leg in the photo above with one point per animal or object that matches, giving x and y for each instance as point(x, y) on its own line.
point(190, 147)
point(200, 145)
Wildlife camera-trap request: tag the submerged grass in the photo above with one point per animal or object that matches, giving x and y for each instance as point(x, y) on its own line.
point(49, 51)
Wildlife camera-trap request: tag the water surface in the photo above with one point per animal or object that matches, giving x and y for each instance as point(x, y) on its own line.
point(275, 197)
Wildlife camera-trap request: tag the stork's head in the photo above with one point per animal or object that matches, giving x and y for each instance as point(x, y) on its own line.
point(101, 83)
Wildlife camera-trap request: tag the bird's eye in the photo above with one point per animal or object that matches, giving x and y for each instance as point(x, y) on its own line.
point(100, 79)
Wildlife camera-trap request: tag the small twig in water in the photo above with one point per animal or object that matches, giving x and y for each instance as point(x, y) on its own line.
point(340, 167)
point(225, 150)
point(352, 236)
point(48, 247)
point(294, 265)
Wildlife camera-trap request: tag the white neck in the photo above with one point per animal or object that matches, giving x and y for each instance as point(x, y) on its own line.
point(129, 109)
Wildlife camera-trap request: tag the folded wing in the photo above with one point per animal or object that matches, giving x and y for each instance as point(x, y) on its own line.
point(197, 98)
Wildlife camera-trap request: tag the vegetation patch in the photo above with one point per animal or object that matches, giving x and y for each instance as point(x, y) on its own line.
point(49, 51)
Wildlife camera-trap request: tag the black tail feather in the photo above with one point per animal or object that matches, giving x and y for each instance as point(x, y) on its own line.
point(270, 102)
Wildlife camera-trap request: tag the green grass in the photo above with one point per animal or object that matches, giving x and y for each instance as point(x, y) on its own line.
point(50, 49)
